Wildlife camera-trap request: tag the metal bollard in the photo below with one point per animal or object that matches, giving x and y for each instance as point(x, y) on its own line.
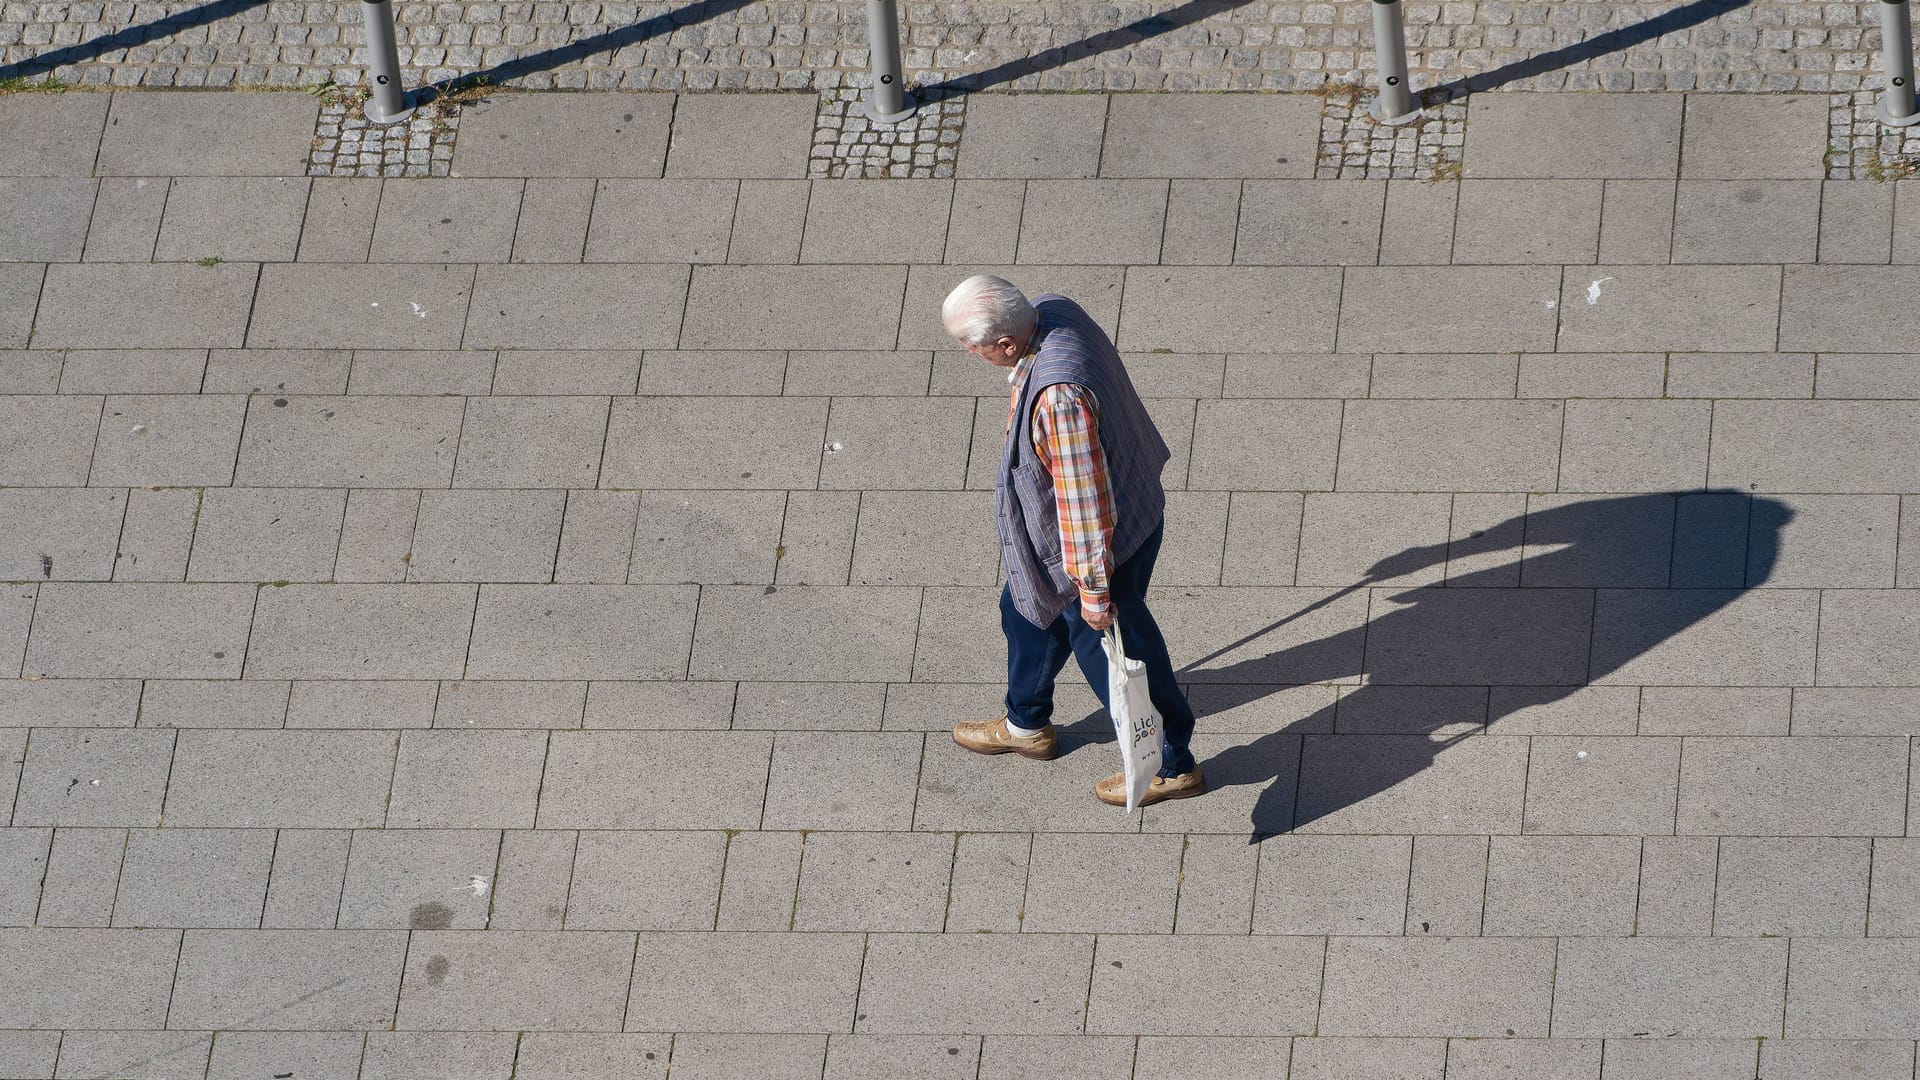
point(1394, 103)
point(1897, 107)
point(887, 99)
point(389, 104)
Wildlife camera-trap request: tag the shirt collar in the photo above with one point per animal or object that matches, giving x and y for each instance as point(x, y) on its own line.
point(1019, 373)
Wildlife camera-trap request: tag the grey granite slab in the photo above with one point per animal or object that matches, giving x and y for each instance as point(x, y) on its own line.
point(186, 134)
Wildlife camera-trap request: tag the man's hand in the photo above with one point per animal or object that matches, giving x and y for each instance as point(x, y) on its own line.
point(1410, 561)
point(1098, 619)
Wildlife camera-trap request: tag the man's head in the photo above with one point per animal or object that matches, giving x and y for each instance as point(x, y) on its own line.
point(991, 317)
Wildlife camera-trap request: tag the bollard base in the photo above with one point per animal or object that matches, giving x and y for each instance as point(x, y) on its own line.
point(375, 115)
point(1382, 111)
point(1884, 110)
point(872, 108)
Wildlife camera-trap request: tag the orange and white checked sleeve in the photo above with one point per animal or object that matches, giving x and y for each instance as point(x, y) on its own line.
point(1066, 436)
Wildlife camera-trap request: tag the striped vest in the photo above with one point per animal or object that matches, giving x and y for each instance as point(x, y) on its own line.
point(1073, 349)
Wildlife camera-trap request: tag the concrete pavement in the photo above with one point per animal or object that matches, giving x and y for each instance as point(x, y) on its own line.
point(507, 625)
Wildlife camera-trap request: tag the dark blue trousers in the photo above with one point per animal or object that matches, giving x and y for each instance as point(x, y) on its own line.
point(1036, 656)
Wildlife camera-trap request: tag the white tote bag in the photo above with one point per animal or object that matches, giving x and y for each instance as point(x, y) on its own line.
point(1135, 723)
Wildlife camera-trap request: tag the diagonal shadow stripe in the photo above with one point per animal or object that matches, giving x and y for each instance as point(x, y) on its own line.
point(128, 37)
point(1680, 18)
point(1131, 34)
point(545, 60)
point(610, 42)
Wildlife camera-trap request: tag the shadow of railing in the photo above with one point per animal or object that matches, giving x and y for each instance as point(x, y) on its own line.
point(611, 41)
point(574, 52)
point(1133, 33)
point(1681, 18)
point(1619, 577)
point(127, 38)
point(1104, 42)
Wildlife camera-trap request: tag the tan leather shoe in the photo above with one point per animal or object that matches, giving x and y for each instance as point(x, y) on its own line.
point(1113, 790)
point(992, 737)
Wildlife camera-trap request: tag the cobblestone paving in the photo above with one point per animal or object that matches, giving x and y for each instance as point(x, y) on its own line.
point(848, 144)
point(1767, 45)
point(1862, 148)
point(345, 144)
point(506, 625)
point(1354, 147)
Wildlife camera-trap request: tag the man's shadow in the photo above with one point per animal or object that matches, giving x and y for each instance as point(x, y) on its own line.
point(1531, 610)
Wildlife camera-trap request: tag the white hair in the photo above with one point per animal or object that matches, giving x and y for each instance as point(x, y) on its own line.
point(984, 308)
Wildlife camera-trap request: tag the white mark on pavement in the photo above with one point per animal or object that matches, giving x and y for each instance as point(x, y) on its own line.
point(1580, 754)
point(418, 311)
point(1593, 290)
point(478, 885)
point(834, 447)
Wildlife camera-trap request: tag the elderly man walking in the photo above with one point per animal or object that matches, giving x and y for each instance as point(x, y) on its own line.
point(1081, 516)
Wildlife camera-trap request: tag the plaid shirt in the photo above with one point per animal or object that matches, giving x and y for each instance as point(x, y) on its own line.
point(1066, 438)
